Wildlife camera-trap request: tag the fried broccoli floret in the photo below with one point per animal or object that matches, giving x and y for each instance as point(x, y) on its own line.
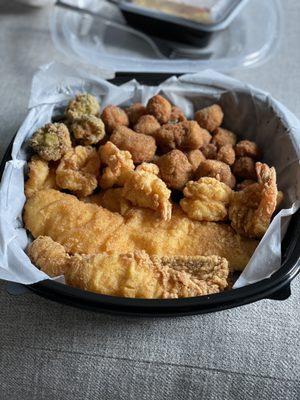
point(83, 104)
point(88, 129)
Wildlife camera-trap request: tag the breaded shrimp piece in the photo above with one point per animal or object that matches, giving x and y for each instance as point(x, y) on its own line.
point(244, 167)
point(144, 188)
point(176, 116)
point(246, 148)
point(114, 116)
point(40, 176)
point(174, 169)
point(147, 125)
point(195, 158)
point(134, 112)
point(83, 104)
point(119, 165)
point(226, 154)
point(136, 275)
point(51, 257)
point(78, 170)
point(251, 209)
point(141, 147)
point(88, 129)
point(206, 200)
point(51, 141)
point(223, 137)
point(160, 108)
point(185, 135)
point(210, 118)
point(218, 170)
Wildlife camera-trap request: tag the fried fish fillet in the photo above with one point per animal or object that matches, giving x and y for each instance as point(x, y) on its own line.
point(89, 229)
point(135, 275)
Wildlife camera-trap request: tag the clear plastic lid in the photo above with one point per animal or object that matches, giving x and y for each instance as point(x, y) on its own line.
point(106, 42)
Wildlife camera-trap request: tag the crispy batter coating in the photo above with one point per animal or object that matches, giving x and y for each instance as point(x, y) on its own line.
point(40, 176)
point(147, 124)
point(242, 185)
point(226, 154)
point(206, 200)
point(218, 170)
point(112, 199)
point(51, 257)
point(210, 151)
point(134, 112)
point(88, 229)
point(141, 147)
point(244, 167)
point(119, 165)
point(78, 170)
point(176, 116)
point(114, 116)
point(210, 118)
point(143, 188)
point(160, 108)
point(185, 135)
point(251, 209)
point(195, 158)
point(83, 104)
point(223, 137)
point(51, 141)
point(174, 169)
point(246, 148)
point(136, 275)
point(88, 129)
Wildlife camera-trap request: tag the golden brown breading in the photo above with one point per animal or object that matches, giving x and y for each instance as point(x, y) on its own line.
point(210, 118)
point(88, 129)
point(143, 188)
point(114, 116)
point(216, 169)
point(251, 209)
point(111, 199)
point(186, 135)
point(51, 141)
point(134, 112)
point(242, 185)
point(136, 275)
point(78, 170)
point(176, 116)
point(206, 200)
point(147, 124)
point(174, 169)
point(83, 104)
point(226, 154)
point(141, 147)
point(51, 257)
point(195, 158)
point(40, 176)
point(160, 108)
point(223, 137)
point(119, 165)
point(244, 167)
point(210, 151)
point(246, 148)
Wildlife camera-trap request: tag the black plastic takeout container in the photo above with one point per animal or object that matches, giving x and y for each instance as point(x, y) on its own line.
point(277, 287)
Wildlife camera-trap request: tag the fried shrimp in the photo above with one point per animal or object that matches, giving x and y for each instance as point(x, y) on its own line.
point(83, 104)
point(88, 129)
point(119, 164)
point(144, 188)
point(206, 200)
point(78, 170)
point(251, 209)
point(40, 176)
point(51, 141)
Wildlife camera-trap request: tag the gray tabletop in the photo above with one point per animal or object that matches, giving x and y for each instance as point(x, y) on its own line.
point(51, 351)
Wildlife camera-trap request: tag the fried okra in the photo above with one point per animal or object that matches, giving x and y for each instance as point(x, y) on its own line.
point(244, 167)
point(88, 129)
point(160, 108)
point(175, 169)
point(83, 104)
point(218, 170)
point(210, 118)
point(176, 116)
point(195, 158)
point(51, 141)
point(226, 154)
point(210, 151)
point(135, 112)
point(114, 116)
point(223, 137)
point(246, 148)
point(147, 124)
point(141, 147)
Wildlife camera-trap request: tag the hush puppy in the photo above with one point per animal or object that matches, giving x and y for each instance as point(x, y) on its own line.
point(141, 147)
point(113, 116)
point(246, 148)
point(218, 170)
point(147, 124)
point(210, 118)
point(160, 108)
point(135, 112)
point(174, 169)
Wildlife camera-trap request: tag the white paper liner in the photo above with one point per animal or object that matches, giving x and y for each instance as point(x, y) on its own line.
point(249, 112)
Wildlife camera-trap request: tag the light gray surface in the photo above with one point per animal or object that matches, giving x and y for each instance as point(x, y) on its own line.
point(50, 351)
